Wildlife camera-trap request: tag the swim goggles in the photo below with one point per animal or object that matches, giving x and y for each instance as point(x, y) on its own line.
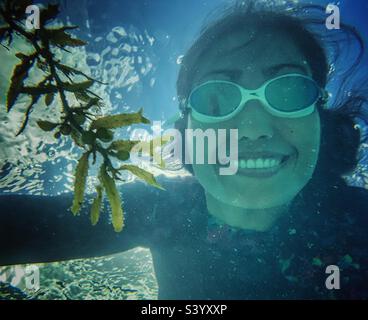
point(289, 96)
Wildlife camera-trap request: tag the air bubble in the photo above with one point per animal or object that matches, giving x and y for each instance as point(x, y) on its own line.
point(179, 59)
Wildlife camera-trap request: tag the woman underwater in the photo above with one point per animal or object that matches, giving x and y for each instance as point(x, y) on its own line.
point(270, 230)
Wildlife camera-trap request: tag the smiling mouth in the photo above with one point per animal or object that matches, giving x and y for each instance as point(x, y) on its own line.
point(263, 166)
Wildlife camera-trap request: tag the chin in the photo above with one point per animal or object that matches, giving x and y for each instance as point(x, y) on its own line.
point(232, 197)
point(263, 193)
point(236, 191)
point(254, 195)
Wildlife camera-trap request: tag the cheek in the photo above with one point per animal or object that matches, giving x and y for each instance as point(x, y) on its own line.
point(304, 136)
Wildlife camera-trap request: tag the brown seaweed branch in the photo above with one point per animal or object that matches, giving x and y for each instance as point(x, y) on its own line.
point(88, 130)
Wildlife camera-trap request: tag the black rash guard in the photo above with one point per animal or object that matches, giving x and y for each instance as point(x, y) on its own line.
point(196, 256)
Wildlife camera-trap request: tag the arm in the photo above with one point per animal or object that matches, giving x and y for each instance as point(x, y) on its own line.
point(42, 229)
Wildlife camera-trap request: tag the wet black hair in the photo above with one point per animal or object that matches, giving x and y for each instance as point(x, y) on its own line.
point(323, 49)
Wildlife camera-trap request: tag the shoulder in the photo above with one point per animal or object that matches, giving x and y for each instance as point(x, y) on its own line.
point(340, 223)
point(178, 188)
point(354, 202)
point(154, 212)
point(353, 229)
point(181, 210)
point(354, 236)
point(346, 209)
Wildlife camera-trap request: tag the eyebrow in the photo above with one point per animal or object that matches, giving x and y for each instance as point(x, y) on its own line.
point(233, 74)
point(273, 70)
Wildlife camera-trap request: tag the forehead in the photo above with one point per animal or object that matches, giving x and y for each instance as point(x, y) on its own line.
point(252, 52)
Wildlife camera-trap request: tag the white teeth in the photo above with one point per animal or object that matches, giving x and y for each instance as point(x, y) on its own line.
point(242, 164)
point(258, 163)
point(251, 164)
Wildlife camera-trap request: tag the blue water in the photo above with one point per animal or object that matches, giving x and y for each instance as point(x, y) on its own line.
point(173, 25)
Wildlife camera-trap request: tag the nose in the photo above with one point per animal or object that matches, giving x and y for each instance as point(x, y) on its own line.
point(254, 122)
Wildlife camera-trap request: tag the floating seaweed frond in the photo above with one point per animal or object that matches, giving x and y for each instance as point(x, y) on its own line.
point(142, 174)
point(96, 206)
point(113, 195)
point(81, 173)
point(20, 73)
point(119, 120)
point(89, 135)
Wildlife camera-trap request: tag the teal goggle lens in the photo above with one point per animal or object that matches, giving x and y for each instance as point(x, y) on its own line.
point(216, 98)
point(289, 94)
point(285, 94)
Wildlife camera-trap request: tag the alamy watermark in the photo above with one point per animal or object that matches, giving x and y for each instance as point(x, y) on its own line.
point(33, 18)
point(332, 21)
point(200, 146)
point(333, 280)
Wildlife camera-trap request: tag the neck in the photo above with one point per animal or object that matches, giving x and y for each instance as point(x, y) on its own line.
point(249, 219)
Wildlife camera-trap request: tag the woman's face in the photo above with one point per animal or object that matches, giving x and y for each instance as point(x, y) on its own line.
point(250, 61)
